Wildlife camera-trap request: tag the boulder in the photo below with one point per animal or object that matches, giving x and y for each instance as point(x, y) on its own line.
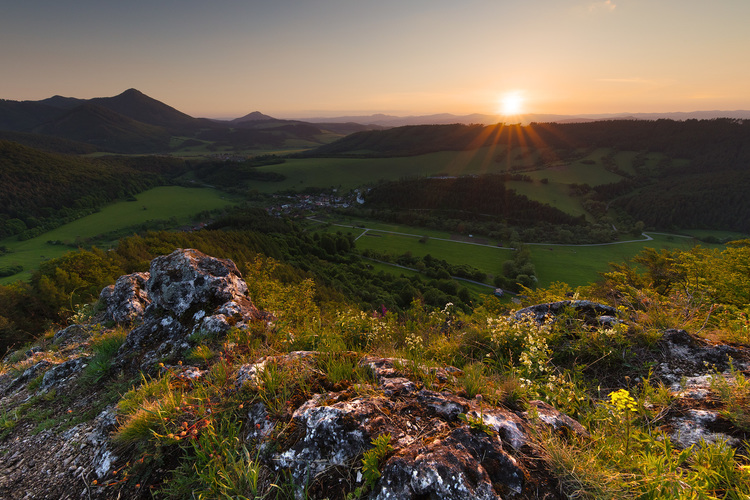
point(684, 356)
point(187, 293)
point(591, 313)
point(127, 299)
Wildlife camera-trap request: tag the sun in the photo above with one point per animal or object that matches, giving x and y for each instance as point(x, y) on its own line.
point(511, 104)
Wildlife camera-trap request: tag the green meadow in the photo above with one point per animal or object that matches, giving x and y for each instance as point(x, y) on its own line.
point(350, 173)
point(576, 265)
point(161, 203)
point(549, 184)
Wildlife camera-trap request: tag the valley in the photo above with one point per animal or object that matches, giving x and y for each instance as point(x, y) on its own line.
point(186, 305)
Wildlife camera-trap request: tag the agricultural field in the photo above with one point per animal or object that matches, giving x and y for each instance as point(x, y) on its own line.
point(161, 203)
point(576, 265)
point(350, 173)
point(549, 184)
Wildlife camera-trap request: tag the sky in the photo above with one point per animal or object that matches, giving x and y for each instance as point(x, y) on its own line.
point(307, 58)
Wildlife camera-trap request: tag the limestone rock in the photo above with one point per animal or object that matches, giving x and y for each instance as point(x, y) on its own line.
point(435, 453)
point(592, 313)
point(188, 292)
point(464, 465)
point(127, 299)
point(685, 356)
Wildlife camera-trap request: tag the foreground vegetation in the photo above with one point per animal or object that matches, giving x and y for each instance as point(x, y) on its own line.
point(183, 439)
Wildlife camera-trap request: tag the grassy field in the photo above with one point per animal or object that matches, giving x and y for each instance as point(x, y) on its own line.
point(576, 265)
point(555, 194)
point(580, 265)
point(720, 235)
point(156, 204)
point(350, 173)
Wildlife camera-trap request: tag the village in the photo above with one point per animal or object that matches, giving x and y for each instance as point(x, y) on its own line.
point(300, 205)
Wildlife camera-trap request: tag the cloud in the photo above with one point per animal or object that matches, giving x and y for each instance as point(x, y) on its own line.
point(605, 6)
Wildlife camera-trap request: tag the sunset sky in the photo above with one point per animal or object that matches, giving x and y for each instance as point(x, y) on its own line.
point(304, 58)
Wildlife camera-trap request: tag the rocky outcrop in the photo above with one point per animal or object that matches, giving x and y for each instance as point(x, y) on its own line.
point(184, 293)
point(127, 299)
point(590, 312)
point(684, 356)
point(445, 445)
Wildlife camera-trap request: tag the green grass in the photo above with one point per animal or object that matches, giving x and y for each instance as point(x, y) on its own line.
point(484, 258)
point(577, 173)
point(720, 235)
point(160, 203)
point(555, 194)
point(350, 173)
point(580, 265)
point(572, 264)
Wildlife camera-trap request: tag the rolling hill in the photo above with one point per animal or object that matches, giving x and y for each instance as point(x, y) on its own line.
point(133, 122)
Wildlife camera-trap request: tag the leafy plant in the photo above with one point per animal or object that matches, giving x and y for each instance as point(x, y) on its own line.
point(371, 462)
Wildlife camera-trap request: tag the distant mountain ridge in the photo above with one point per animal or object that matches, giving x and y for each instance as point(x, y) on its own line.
point(384, 120)
point(133, 122)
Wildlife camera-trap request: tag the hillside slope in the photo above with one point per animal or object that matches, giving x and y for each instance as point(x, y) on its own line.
point(178, 384)
point(37, 187)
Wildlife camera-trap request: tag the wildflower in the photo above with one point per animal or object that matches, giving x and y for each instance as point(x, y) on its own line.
point(623, 401)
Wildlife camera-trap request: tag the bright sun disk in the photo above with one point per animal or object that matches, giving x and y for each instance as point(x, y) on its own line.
point(511, 104)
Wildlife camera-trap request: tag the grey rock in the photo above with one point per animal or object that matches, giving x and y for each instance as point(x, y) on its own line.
point(464, 465)
point(592, 313)
point(127, 299)
point(60, 373)
point(188, 292)
point(557, 420)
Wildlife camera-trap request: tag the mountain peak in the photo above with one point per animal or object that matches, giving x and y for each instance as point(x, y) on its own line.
point(255, 116)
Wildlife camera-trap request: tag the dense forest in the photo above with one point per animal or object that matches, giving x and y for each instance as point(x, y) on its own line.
point(40, 190)
point(717, 144)
point(701, 201)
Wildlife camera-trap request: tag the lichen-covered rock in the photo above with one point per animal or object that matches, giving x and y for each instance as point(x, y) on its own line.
point(555, 419)
point(591, 313)
point(682, 355)
point(696, 426)
point(187, 281)
point(437, 453)
point(60, 373)
point(127, 299)
point(466, 464)
point(189, 292)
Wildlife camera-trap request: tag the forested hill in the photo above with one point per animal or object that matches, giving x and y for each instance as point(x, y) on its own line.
point(718, 141)
point(39, 189)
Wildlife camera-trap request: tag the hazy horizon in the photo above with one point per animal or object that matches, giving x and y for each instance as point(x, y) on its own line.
point(335, 58)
